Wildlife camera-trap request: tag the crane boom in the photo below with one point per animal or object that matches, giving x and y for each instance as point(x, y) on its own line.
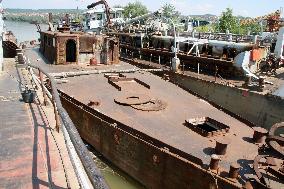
point(102, 2)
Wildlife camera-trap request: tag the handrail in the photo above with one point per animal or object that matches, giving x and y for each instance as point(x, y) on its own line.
point(88, 163)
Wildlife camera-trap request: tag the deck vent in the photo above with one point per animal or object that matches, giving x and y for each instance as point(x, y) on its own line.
point(207, 127)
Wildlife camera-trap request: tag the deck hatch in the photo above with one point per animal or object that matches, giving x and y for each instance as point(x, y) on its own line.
point(207, 126)
point(116, 79)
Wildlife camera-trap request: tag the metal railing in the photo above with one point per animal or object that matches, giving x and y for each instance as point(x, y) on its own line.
point(78, 152)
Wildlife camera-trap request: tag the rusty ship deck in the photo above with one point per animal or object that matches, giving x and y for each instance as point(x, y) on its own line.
point(30, 150)
point(157, 148)
point(255, 105)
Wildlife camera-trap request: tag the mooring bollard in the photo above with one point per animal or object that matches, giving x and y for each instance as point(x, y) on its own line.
point(214, 163)
point(259, 134)
point(221, 146)
point(234, 171)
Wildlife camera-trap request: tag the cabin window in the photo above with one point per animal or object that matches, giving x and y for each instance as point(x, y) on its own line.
point(118, 15)
point(99, 16)
point(112, 15)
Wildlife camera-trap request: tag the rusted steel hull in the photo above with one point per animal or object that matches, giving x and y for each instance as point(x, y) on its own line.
point(151, 162)
point(9, 49)
point(9, 45)
point(209, 63)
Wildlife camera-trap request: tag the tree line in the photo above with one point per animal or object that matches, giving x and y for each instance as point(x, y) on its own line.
point(227, 21)
point(39, 16)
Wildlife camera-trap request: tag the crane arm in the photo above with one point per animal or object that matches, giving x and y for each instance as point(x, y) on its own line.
point(102, 2)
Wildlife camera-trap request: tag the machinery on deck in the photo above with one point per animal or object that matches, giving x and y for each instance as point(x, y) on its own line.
point(113, 21)
point(107, 11)
point(228, 54)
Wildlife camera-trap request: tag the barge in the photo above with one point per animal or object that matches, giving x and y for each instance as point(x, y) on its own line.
point(152, 129)
point(239, 73)
point(167, 142)
point(9, 45)
point(158, 133)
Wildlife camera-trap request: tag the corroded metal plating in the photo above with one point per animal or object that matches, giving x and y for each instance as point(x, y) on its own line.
point(276, 142)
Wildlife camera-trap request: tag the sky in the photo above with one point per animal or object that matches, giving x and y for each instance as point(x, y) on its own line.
point(250, 8)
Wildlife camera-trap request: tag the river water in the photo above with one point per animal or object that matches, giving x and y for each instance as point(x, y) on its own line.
point(24, 31)
point(115, 178)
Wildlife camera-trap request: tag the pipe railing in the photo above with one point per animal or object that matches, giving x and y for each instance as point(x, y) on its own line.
point(81, 73)
point(70, 132)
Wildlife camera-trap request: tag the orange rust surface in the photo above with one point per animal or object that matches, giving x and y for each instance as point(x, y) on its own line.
point(166, 125)
point(255, 55)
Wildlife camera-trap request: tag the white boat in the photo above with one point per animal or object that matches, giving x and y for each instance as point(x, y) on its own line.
point(96, 18)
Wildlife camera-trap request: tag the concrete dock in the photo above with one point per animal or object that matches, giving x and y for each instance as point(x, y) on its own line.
point(30, 146)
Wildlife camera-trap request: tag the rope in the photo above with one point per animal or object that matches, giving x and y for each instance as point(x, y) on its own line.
point(214, 177)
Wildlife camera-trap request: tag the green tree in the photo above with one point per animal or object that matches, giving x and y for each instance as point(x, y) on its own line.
point(206, 28)
point(254, 28)
point(228, 21)
point(232, 23)
point(169, 11)
point(132, 10)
